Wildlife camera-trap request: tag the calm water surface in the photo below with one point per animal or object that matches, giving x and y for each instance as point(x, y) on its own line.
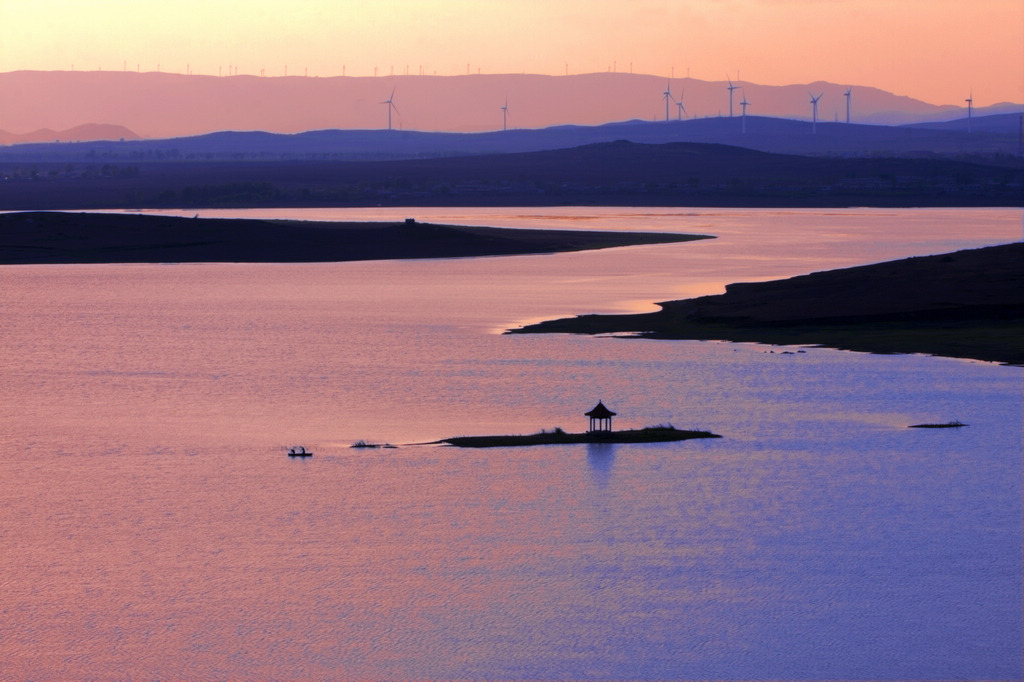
point(153, 526)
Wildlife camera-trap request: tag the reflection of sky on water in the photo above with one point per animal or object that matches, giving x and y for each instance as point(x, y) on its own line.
point(749, 245)
point(819, 537)
point(600, 460)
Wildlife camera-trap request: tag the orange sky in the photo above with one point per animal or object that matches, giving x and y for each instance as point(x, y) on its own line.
point(935, 50)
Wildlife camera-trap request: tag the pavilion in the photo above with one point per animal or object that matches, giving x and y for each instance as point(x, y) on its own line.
point(600, 418)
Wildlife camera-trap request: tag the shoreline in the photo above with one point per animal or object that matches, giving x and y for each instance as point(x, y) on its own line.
point(968, 304)
point(50, 238)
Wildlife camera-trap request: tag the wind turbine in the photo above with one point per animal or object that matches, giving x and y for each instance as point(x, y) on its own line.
point(744, 104)
point(731, 87)
point(847, 96)
point(970, 106)
point(680, 109)
point(814, 104)
point(668, 96)
point(390, 101)
point(504, 115)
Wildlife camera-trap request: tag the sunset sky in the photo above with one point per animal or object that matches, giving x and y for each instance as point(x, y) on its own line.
point(935, 50)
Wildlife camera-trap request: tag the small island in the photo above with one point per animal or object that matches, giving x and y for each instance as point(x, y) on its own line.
point(946, 425)
point(600, 431)
point(650, 434)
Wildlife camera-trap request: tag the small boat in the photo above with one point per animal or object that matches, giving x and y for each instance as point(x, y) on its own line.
point(299, 451)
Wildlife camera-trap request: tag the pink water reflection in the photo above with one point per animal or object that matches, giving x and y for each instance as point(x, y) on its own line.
point(154, 527)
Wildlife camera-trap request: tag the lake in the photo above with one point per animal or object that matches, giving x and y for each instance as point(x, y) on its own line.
point(154, 526)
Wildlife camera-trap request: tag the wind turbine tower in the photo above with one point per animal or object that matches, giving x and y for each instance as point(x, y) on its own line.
point(744, 104)
point(390, 101)
point(680, 109)
point(504, 116)
point(847, 96)
point(814, 119)
point(668, 97)
point(970, 106)
point(731, 87)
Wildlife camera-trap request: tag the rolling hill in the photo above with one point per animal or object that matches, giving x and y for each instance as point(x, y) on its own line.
point(990, 135)
point(165, 105)
point(610, 173)
point(88, 132)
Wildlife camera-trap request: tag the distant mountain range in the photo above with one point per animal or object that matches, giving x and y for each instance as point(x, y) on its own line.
point(50, 105)
point(318, 142)
point(89, 132)
point(989, 135)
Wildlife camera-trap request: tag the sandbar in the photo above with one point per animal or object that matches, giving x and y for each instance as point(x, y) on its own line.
point(66, 238)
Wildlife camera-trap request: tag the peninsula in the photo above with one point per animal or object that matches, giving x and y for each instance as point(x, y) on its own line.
point(967, 304)
point(64, 238)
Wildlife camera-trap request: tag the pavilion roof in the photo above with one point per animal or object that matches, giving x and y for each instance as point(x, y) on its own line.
point(600, 411)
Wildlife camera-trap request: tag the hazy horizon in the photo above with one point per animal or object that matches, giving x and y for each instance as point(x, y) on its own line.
point(937, 51)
